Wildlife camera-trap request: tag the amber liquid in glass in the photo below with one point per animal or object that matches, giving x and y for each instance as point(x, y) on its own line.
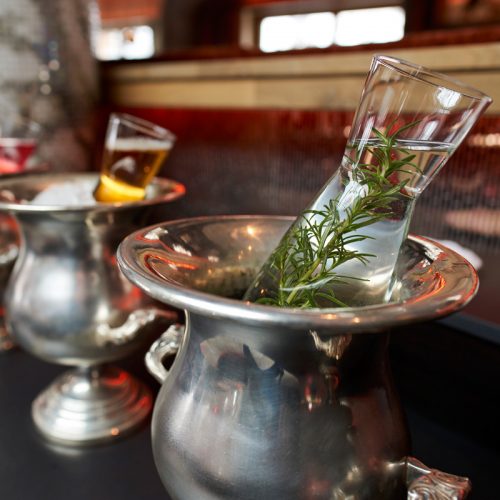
point(128, 167)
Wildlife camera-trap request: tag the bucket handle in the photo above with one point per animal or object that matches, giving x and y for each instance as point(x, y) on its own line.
point(130, 329)
point(167, 345)
point(424, 482)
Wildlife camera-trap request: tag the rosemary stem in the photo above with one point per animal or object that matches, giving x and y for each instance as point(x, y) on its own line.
point(304, 266)
point(303, 279)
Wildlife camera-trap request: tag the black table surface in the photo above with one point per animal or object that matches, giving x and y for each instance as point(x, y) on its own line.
point(32, 469)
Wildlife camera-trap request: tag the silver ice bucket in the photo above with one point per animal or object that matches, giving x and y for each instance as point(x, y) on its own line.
point(270, 403)
point(68, 303)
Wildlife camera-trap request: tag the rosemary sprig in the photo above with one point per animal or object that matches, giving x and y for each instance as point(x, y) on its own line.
point(303, 267)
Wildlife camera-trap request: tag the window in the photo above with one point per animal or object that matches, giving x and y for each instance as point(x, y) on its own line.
point(129, 30)
point(136, 42)
point(322, 29)
point(297, 32)
point(379, 25)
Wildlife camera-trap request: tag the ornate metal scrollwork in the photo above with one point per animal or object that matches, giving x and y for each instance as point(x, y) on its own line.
point(431, 484)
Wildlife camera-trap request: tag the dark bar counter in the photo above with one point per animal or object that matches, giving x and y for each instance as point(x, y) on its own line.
point(33, 469)
point(450, 396)
point(448, 382)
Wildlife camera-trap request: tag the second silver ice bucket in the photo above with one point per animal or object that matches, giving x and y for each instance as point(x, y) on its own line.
point(269, 403)
point(68, 303)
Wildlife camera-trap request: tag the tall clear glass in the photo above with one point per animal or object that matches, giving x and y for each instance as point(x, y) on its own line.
point(343, 248)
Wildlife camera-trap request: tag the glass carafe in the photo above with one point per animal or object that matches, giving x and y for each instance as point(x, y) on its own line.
point(342, 250)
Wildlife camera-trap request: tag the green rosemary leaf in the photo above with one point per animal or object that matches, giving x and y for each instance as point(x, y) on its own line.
point(383, 137)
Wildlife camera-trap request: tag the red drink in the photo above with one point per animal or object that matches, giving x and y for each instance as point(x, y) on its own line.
point(14, 153)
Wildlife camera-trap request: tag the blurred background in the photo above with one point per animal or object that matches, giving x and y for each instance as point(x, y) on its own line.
point(140, 29)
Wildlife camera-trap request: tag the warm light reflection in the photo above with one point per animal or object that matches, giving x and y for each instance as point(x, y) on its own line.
point(330, 316)
point(252, 231)
point(151, 262)
point(484, 140)
point(439, 285)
